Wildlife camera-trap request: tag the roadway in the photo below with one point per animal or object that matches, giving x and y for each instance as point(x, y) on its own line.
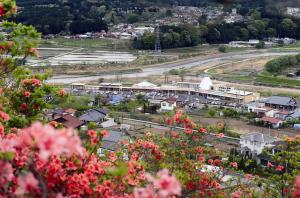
point(159, 69)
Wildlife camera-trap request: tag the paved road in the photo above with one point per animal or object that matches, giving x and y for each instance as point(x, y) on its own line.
point(161, 68)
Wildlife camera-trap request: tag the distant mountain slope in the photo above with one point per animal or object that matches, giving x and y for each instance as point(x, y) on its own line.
point(77, 16)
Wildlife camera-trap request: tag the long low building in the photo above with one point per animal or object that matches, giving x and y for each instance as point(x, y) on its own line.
point(237, 96)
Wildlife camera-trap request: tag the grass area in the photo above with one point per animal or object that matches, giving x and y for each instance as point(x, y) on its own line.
point(269, 93)
point(295, 45)
point(277, 81)
point(107, 44)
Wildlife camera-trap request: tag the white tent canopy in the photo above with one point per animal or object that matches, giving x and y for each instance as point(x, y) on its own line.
point(206, 84)
point(145, 84)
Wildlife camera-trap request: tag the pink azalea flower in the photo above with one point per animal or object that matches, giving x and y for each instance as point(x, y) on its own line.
point(167, 184)
point(297, 187)
point(279, 168)
point(188, 130)
point(236, 194)
point(4, 116)
point(168, 121)
point(1, 130)
point(6, 172)
point(220, 135)
point(270, 165)
point(147, 192)
point(51, 141)
point(202, 130)
point(233, 164)
point(26, 184)
point(27, 94)
point(104, 133)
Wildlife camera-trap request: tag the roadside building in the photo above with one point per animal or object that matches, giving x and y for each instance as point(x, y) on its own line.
point(281, 103)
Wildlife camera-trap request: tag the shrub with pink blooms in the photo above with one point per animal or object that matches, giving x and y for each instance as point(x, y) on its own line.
point(40, 159)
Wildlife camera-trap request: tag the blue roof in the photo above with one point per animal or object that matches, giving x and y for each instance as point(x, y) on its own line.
point(116, 99)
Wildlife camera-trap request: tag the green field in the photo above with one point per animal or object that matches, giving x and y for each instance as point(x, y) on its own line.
point(105, 44)
point(277, 81)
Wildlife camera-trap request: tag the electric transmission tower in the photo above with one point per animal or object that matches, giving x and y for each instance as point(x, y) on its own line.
point(157, 42)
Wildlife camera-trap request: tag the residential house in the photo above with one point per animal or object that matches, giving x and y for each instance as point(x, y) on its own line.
point(272, 122)
point(282, 115)
point(294, 115)
point(281, 103)
point(254, 143)
point(52, 114)
point(69, 121)
point(94, 115)
point(111, 142)
point(168, 104)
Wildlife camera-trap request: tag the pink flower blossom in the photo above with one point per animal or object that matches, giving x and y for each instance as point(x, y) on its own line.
point(168, 121)
point(279, 168)
point(233, 164)
point(62, 93)
point(220, 135)
point(202, 130)
point(297, 188)
point(167, 184)
point(27, 94)
point(249, 176)
point(92, 133)
point(237, 194)
point(270, 165)
point(23, 107)
point(4, 116)
point(6, 172)
point(1, 130)
point(104, 133)
point(147, 192)
point(26, 184)
point(188, 130)
point(163, 186)
point(51, 141)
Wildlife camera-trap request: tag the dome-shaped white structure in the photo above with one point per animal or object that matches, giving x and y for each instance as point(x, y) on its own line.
point(144, 84)
point(206, 84)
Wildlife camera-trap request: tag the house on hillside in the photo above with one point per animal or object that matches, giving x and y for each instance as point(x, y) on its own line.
point(94, 115)
point(112, 142)
point(69, 121)
point(281, 103)
point(272, 122)
point(253, 143)
point(168, 104)
point(52, 114)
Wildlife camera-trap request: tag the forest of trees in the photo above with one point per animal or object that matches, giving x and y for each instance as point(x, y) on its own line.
point(256, 27)
point(266, 19)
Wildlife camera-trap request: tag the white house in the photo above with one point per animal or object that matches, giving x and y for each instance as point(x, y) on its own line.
point(168, 104)
point(254, 143)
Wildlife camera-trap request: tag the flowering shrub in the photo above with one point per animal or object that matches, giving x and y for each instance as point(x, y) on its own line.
point(47, 160)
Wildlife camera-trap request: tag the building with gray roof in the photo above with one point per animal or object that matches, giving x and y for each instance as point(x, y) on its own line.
point(282, 103)
point(94, 115)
